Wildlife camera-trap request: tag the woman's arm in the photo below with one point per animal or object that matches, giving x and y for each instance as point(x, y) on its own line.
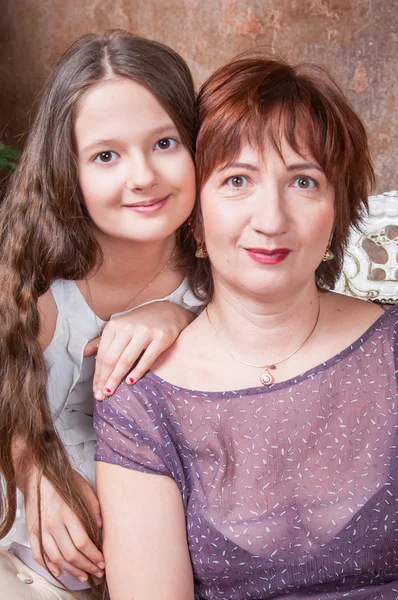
point(144, 534)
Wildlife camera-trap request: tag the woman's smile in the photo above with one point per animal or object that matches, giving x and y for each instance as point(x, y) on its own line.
point(268, 257)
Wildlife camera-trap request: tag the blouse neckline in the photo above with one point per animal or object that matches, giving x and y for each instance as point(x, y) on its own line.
point(282, 384)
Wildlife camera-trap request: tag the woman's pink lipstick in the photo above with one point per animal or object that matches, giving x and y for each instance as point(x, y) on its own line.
point(148, 206)
point(268, 257)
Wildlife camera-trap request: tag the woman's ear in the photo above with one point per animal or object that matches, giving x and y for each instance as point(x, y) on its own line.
point(195, 223)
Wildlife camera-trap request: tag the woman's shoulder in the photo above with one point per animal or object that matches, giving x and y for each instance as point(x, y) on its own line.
point(352, 313)
point(139, 412)
point(356, 319)
point(144, 401)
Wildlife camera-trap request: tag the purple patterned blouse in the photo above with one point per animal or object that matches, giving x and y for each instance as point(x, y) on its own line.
point(288, 490)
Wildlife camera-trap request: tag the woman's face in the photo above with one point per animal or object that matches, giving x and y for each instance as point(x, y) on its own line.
point(267, 221)
point(136, 177)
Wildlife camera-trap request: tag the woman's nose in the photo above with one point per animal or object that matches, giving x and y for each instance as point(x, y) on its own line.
point(269, 214)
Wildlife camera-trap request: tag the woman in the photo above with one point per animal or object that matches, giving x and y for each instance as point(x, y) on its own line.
point(94, 225)
point(259, 454)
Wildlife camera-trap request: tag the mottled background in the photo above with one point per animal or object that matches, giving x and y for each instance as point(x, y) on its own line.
point(356, 39)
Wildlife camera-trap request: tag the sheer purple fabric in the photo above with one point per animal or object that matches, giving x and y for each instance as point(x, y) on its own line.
point(288, 490)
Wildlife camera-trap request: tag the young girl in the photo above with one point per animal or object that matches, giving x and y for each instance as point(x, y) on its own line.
point(93, 226)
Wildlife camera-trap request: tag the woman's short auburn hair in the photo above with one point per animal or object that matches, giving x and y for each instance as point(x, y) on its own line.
point(258, 99)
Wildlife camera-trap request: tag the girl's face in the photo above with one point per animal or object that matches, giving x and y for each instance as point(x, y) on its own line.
point(136, 177)
point(276, 215)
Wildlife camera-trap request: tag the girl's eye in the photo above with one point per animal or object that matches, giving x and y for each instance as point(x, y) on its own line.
point(305, 183)
point(236, 181)
point(165, 144)
point(105, 157)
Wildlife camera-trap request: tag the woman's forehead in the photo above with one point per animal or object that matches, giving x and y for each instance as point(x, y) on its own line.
point(259, 155)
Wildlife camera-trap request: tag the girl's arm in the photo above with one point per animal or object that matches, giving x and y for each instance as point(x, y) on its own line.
point(65, 541)
point(141, 334)
point(144, 533)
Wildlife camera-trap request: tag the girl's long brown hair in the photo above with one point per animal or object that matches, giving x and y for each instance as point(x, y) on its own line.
point(46, 234)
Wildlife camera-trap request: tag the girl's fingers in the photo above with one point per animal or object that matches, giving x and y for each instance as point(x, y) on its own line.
point(57, 558)
point(118, 359)
point(154, 350)
point(89, 558)
point(128, 357)
point(105, 343)
point(73, 546)
point(47, 564)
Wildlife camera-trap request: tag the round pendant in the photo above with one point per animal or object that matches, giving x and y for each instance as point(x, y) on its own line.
point(266, 378)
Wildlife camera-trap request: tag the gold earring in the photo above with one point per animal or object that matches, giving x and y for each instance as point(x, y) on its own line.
point(328, 255)
point(201, 251)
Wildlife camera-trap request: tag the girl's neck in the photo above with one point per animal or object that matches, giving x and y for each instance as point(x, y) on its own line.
point(134, 262)
point(131, 274)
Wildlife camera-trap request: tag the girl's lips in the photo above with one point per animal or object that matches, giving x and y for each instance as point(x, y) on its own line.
point(268, 257)
point(148, 206)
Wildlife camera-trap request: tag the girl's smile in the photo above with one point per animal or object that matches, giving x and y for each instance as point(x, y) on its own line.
point(148, 206)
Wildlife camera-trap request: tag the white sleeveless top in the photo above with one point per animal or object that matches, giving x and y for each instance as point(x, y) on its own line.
point(70, 379)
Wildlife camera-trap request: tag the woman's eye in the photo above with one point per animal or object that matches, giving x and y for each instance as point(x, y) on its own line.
point(237, 181)
point(165, 144)
point(305, 183)
point(105, 157)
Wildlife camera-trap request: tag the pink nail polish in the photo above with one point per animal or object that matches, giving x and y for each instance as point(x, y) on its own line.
point(107, 390)
point(131, 380)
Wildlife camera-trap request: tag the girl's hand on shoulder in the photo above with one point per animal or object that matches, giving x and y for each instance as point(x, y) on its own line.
point(67, 547)
point(137, 337)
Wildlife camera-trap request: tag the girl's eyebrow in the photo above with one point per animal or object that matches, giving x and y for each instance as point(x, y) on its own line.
point(168, 128)
point(97, 143)
point(163, 129)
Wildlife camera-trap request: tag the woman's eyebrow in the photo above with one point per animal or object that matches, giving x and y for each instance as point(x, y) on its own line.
point(240, 165)
point(304, 165)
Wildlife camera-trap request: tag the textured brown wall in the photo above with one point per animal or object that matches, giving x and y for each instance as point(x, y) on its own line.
point(356, 39)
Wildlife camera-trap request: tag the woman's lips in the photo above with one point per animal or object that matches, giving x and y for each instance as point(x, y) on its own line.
point(148, 206)
point(268, 257)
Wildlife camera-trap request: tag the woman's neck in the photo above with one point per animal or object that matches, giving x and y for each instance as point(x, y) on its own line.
point(264, 331)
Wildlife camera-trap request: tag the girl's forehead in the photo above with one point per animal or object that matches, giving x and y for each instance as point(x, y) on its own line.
point(109, 90)
point(119, 108)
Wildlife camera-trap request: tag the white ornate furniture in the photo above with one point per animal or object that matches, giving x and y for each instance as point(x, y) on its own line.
point(371, 263)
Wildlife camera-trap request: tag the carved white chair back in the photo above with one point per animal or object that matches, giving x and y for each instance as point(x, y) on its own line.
point(371, 261)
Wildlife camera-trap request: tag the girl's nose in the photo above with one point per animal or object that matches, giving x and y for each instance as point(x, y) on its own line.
point(142, 175)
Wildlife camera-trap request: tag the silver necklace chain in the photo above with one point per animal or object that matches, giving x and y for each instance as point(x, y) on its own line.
point(266, 377)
